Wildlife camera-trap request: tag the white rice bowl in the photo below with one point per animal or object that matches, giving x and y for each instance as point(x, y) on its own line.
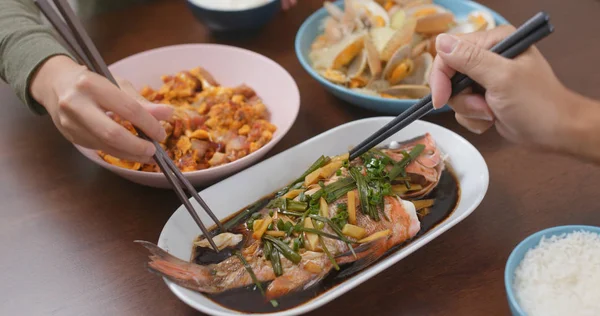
point(560, 276)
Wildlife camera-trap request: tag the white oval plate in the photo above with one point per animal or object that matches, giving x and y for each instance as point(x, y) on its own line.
point(246, 187)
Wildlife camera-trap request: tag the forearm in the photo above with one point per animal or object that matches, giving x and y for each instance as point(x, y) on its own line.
point(580, 128)
point(25, 43)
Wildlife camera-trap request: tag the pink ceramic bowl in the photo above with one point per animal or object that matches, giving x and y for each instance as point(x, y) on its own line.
point(230, 66)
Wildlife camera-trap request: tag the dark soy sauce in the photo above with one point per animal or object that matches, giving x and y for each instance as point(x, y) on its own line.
point(250, 300)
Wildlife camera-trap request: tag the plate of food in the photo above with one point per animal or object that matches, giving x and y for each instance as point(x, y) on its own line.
point(377, 54)
point(305, 226)
point(225, 117)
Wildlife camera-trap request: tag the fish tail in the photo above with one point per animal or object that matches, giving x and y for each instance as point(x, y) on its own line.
point(186, 274)
point(366, 254)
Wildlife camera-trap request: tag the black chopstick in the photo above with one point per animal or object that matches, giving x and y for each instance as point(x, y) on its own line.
point(526, 35)
point(76, 37)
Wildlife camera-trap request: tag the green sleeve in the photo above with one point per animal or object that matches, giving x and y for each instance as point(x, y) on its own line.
point(25, 43)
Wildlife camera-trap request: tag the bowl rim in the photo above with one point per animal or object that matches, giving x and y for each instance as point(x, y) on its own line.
point(268, 2)
point(551, 231)
point(281, 132)
point(340, 89)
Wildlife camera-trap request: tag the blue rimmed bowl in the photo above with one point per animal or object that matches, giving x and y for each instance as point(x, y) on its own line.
point(231, 20)
point(311, 28)
point(519, 252)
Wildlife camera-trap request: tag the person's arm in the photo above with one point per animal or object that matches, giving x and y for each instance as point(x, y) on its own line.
point(579, 132)
point(25, 43)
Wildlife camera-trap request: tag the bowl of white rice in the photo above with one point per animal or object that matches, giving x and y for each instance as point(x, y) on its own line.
point(555, 272)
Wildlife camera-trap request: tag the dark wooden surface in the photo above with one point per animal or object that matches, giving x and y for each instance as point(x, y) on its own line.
point(67, 226)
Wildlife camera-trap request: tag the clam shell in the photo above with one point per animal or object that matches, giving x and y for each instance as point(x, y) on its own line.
point(407, 91)
point(366, 91)
point(414, 3)
point(339, 54)
point(358, 65)
point(471, 24)
point(375, 10)
point(335, 76)
point(431, 18)
point(373, 58)
point(422, 68)
point(401, 54)
point(491, 23)
point(378, 85)
point(435, 24)
point(399, 38)
point(333, 10)
point(420, 47)
point(415, 9)
point(398, 18)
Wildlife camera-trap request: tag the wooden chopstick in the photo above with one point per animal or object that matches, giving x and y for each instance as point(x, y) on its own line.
point(76, 37)
point(526, 35)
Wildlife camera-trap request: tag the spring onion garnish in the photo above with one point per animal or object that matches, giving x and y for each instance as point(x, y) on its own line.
point(331, 258)
point(287, 204)
point(252, 210)
point(321, 233)
point(285, 250)
point(386, 159)
point(341, 218)
point(296, 244)
point(401, 165)
point(297, 214)
point(323, 160)
point(276, 262)
point(267, 249)
point(342, 187)
point(302, 197)
point(363, 194)
point(337, 230)
point(253, 276)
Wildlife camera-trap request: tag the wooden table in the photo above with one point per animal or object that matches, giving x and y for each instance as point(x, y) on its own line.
point(67, 226)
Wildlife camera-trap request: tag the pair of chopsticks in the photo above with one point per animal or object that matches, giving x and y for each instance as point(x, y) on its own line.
point(82, 47)
point(525, 36)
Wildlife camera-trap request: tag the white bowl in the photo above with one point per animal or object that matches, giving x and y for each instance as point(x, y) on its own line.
point(277, 171)
point(230, 66)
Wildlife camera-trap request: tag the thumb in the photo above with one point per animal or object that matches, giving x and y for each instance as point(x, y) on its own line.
point(474, 61)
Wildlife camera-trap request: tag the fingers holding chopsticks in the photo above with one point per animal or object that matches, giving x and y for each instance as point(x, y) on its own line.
point(523, 98)
point(77, 100)
point(470, 55)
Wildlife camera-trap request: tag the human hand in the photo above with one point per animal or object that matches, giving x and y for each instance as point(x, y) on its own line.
point(287, 4)
point(77, 100)
point(524, 100)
